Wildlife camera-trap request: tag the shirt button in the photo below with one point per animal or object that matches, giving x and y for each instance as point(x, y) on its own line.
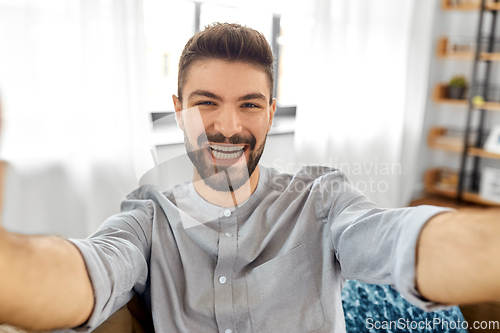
point(228, 234)
point(227, 213)
point(228, 331)
point(222, 279)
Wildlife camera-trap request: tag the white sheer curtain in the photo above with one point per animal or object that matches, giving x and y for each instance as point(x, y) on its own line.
point(365, 88)
point(72, 95)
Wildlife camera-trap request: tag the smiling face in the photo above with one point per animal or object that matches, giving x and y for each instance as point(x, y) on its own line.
point(227, 136)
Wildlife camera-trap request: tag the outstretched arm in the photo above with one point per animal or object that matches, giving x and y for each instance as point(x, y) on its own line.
point(458, 257)
point(43, 282)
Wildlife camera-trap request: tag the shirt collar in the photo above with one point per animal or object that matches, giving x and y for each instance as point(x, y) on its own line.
point(214, 210)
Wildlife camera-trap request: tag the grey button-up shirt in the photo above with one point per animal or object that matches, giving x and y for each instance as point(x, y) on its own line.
point(276, 263)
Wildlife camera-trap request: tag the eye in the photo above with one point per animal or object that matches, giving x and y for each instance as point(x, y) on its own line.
point(250, 105)
point(205, 103)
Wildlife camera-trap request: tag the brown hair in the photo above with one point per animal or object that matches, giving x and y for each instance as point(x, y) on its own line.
point(227, 41)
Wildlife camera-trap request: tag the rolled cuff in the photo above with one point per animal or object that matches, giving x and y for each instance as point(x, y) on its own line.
point(103, 308)
point(405, 264)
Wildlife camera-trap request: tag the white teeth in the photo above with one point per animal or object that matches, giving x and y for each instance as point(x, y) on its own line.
point(234, 148)
point(219, 155)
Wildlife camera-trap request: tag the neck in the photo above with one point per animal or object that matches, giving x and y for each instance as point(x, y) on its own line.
point(229, 198)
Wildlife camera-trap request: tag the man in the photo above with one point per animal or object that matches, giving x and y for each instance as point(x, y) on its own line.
point(243, 248)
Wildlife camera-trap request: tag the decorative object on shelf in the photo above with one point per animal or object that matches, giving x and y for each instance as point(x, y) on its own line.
point(456, 87)
point(459, 3)
point(447, 181)
point(448, 139)
point(460, 48)
point(441, 180)
point(492, 144)
point(490, 184)
point(478, 101)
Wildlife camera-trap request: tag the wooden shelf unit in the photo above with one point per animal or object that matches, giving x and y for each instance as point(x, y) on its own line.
point(453, 184)
point(431, 179)
point(439, 96)
point(472, 5)
point(443, 52)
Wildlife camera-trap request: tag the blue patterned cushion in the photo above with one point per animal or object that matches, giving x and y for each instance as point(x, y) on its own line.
point(381, 303)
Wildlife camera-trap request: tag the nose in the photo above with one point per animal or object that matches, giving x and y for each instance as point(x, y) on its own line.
point(228, 122)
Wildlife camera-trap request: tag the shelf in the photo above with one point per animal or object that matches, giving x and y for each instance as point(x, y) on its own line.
point(439, 96)
point(476, 5)
point(483, 153)
point(443, 52)
point(491, 106)
point(437, 139)
point(431, 180)
point(490, 56)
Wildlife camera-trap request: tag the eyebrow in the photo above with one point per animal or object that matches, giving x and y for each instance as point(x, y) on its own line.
point(252, 96)
point(207, 93)
point(204, 93)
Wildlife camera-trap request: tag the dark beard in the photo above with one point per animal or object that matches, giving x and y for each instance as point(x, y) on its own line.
point(216, 177)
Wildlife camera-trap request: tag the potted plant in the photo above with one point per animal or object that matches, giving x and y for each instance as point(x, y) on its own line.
point(456, 87)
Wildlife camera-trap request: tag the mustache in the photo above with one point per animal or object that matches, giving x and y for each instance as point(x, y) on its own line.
point(234, 140)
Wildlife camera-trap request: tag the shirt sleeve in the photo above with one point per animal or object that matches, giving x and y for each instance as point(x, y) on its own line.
point(117, 258)
point(372, 244)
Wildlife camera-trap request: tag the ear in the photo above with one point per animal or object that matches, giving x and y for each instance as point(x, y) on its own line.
point(178, 110)
point(272, 111)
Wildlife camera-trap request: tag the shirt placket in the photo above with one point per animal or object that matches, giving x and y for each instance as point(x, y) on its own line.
point(223, 275)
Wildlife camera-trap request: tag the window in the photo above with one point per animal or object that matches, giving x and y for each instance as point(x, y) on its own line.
point(167, 26)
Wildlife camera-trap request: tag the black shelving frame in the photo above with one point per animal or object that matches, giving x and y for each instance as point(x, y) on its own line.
point(473, 90)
